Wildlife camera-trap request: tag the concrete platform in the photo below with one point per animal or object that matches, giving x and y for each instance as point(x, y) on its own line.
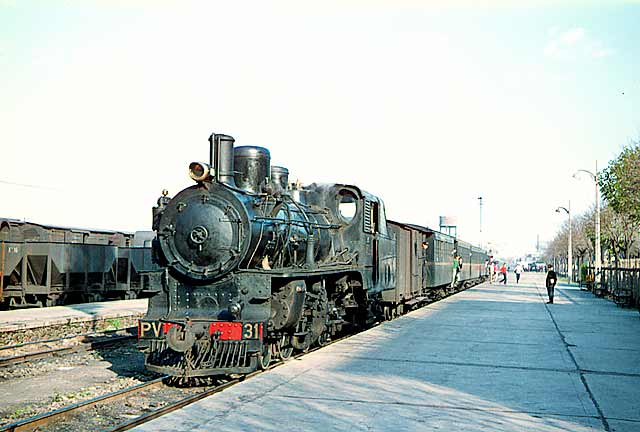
point(22, 319)
point(493, 358)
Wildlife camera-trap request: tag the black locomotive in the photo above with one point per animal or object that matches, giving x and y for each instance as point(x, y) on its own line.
point(256, 268)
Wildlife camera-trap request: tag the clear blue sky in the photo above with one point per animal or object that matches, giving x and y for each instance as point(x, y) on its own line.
point(103, 104)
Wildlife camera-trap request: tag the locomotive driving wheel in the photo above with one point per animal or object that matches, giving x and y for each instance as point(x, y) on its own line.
point(284, 347)
point(324, 338)
point(264, 357)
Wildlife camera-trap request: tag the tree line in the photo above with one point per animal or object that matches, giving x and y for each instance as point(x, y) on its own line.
point(619, 185)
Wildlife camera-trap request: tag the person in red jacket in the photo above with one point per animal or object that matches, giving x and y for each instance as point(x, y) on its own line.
point(503, 270)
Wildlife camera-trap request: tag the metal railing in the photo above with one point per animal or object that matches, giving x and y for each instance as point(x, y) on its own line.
point(621, 284)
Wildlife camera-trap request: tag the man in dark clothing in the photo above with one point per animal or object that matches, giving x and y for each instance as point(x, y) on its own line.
point(552, 278)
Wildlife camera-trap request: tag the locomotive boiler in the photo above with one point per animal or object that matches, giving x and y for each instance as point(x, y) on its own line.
point(255, 269)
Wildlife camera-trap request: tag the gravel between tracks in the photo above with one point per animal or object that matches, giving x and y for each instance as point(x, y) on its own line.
point(64, 330)
point(108, 415)
point(44, 385)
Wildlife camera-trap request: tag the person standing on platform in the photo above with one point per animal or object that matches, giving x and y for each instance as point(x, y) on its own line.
point(455, 268)
point(518, 271)
point(503, 271)
point(552, 278)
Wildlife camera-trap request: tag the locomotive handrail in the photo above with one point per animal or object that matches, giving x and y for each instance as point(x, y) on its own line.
point(295, 222)
point(257, 244)
point(296, 271)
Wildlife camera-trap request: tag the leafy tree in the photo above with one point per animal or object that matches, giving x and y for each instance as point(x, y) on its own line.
point(619, 232)
point(582, 242)
point(620, 182)
point(619, 218)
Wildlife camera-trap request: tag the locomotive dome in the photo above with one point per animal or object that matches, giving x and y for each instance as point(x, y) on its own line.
point(203, 235)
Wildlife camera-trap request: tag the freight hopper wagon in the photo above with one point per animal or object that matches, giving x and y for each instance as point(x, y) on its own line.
point(44, 265)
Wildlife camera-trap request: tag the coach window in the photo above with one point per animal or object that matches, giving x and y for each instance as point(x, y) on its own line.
point(382, 219)
point(347, 205)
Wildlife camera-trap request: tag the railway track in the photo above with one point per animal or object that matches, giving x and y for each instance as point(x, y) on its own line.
point(85, 337)
point(42, 421)
point(86, 343)
point(189, 400)
point(192, 399)
point(179, 404)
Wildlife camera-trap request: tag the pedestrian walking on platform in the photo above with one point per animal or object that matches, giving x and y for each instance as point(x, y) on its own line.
point(503, 271)
point(552, 278)
point(518, 271)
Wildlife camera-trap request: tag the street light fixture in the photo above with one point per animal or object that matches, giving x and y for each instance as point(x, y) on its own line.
point(594, 177)
point(480, 200)
point(569, 248)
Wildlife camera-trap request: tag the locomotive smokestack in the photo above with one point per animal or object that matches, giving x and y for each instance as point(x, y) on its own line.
point(221, 157)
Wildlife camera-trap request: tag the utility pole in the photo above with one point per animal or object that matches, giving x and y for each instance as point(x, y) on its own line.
point(598, 258)
point(597, 264)
point(480, 200)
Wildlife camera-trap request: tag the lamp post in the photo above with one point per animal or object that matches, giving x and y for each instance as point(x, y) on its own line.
point(569, 248)
point(594, 177)
point(480, 201)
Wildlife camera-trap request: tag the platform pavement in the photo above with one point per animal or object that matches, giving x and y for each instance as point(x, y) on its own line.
point(22, 319)
point(492, 358)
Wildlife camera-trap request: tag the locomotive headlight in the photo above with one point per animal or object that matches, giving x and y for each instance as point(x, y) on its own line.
point(199, 171)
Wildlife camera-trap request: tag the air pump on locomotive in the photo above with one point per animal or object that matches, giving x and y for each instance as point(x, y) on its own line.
point(255, 268)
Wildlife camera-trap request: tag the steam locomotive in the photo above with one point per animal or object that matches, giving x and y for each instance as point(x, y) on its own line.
point(255, 268)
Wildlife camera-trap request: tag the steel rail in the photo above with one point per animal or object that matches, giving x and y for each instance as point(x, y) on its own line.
point(83, 337)
point(179, 404)
point(195, 398)
point(23, 358)
point(32, 423)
